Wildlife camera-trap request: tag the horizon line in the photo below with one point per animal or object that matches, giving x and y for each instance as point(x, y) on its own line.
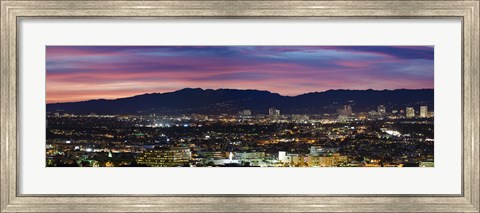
point(97, 99)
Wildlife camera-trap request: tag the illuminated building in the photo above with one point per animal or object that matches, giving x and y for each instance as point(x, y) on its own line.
point(245, 112)
point(300, 118)
point(321, 161)
point(273, 112)
point(282, 156)
point(228, 161)
point(229, 140)
point(213, 155)
point(391, 132)
point(291, 159)
point(423, 111)
point(344, 113)
point(316, 150)
point(249, 155)
point(327, 160)
point(345, 110)
point(381, 110)
point(410, 112)
point(166, 157)
point(252, 158)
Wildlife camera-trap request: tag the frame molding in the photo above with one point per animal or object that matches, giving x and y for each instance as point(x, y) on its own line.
point(11, 11)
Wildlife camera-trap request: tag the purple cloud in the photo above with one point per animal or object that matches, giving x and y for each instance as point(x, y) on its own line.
point(119, 71)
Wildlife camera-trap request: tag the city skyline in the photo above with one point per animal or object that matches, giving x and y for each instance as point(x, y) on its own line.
point(78, 73)
point(240, 106)
point(196, 100)
point(382, 137)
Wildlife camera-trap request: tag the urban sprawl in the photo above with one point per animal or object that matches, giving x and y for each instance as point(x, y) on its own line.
point(377, 138)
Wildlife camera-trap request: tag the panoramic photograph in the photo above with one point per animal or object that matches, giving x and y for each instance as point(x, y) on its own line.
point(239, 106)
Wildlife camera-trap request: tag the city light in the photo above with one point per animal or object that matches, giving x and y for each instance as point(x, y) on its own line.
point(259, 140)
point(239, 106)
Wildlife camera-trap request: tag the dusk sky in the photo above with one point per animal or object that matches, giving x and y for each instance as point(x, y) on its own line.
point(76, 73)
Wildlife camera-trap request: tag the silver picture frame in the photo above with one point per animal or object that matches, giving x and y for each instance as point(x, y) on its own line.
point(12, 11)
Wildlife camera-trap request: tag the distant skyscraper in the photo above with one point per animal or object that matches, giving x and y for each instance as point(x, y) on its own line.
point(423, 111)
point(381, 110)
point(273, 112)
point(344, 113)
point(346, 110)
point(410, 112)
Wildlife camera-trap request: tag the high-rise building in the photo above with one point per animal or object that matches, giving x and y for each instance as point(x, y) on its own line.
point(348, 109)
point(166, 157)
point(423, 111)
point(344, 113)
point(273, 112)
point(381, 110)
point(410, 112)
point(345, 110)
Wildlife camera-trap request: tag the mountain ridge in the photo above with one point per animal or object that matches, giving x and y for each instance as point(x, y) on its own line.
point(218, 101)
